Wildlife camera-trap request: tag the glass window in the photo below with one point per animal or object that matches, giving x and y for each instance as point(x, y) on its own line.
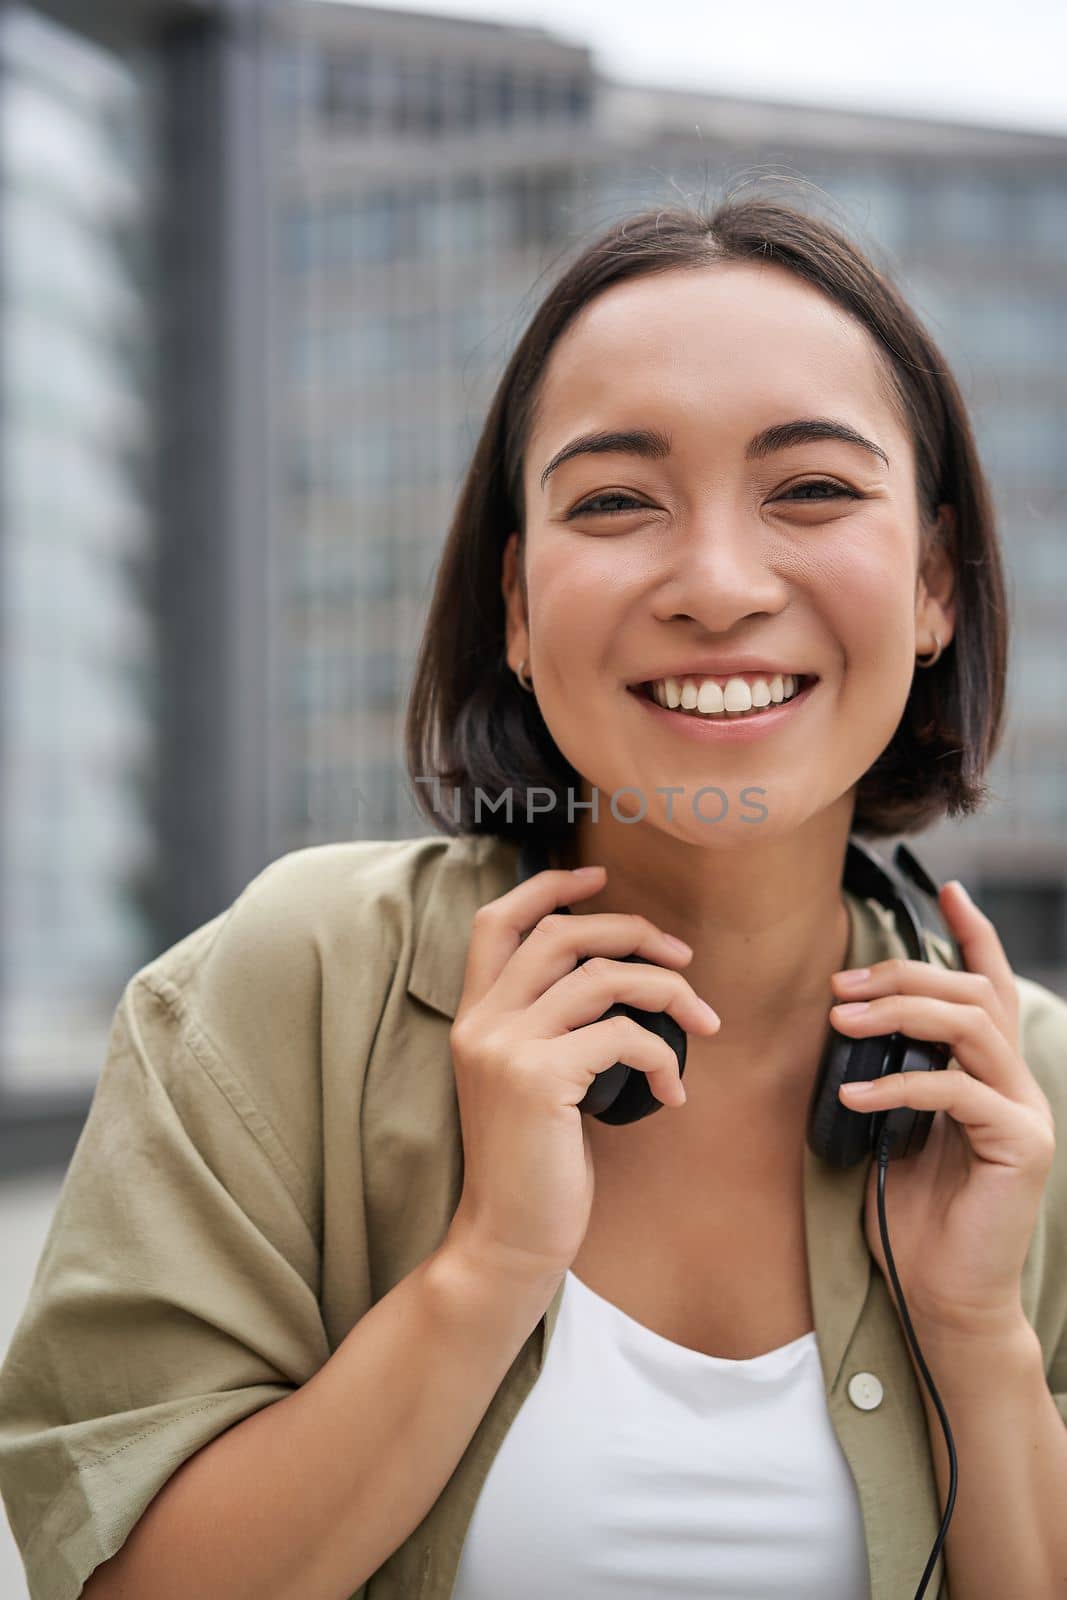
point(468, 95)
point(969, 208)
point(345, 89)
point(429, 223)
point(390, 82)
point(468, 216)
point(434, 96)
point(300, 244)
point(579, 98)
point(1042, 212)
point(374, 220)
point(505, 93)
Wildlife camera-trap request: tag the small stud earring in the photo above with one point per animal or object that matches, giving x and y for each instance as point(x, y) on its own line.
point(935, 655)
point(527, 683)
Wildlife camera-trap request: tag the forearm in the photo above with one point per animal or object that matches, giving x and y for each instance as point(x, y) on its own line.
point(1008, 1532)
point(308, 1497)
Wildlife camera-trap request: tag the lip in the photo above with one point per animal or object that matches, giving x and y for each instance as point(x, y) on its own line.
point(733, 730)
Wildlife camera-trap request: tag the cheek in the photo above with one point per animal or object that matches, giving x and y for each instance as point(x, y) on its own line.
point(865, 585)
point(576, 597)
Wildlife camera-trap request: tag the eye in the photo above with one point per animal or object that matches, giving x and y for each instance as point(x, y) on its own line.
point(594, 506)
point(835, 489)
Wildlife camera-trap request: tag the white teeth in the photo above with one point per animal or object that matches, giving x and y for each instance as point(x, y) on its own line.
point(737, 697)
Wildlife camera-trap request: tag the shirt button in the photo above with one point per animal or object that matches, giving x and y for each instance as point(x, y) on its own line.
point(865, 1390)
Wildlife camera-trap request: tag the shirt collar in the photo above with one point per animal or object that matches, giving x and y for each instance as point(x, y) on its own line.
point(474, 869)
point(478, 868)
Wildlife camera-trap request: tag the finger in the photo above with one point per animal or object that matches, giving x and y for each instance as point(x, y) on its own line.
point(979, 944)
point(498, 927)
point(585, 993)
point(600, 1045)
point(968, 1030)
point(999, 1130)
point(556, 944)
point(900, 976)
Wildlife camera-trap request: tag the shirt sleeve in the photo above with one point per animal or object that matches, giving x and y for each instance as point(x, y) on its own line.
point(176, 1294)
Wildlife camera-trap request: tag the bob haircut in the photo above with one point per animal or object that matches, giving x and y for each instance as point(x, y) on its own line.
point(474, 737)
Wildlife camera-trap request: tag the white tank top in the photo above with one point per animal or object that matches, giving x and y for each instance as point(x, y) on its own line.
point(638, 1469)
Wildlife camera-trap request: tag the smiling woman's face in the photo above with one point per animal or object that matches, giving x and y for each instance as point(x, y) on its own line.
point(803, 555)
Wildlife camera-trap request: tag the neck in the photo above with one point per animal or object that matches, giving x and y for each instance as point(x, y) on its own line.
point(767, 923)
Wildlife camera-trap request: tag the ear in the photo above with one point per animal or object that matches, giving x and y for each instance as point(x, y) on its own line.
point(935, 592)
point(513, 588)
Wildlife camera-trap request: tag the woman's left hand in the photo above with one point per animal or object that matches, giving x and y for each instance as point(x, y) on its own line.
point(961, 1213)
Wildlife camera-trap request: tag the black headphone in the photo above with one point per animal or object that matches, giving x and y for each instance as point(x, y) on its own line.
point(836, 1133)
point(839, 1135)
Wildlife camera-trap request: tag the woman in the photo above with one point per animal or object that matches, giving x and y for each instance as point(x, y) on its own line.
point(344, 1295)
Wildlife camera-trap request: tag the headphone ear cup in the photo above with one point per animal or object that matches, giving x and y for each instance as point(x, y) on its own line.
point(632, 1097)
point(633, 1100)
point(623, 1094)
point(836, 1133)
point(909, 1128)
point(606, 1093)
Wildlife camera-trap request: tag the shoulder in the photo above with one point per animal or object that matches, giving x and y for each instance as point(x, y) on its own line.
point(288, 985)
point(354, 905)
point(258, 1001)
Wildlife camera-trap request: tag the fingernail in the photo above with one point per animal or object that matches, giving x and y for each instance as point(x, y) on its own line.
point(713, 1016)
point(855, 975)
point(853, 1008)
point(587, 872)
point(856, 1088)
point(963, 891)
point(679, 944)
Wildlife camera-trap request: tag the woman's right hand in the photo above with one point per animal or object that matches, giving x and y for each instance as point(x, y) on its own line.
point(526, 1045)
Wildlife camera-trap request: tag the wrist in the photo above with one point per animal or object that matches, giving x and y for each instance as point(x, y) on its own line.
point(982, 1328)
point(469, 1272)
point(962, 1355)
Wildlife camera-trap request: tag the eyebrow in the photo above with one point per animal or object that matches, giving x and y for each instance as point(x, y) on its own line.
point(655, 445)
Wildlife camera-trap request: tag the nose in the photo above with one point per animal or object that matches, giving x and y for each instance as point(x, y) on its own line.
point(719, 571)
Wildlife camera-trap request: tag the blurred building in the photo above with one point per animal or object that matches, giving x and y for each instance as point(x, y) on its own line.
point(350, 213)
point(78, 829)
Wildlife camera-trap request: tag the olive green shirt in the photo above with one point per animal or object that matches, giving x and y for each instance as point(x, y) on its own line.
point(274, 1143)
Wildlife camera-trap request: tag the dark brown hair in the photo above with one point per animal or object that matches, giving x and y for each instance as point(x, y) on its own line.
point(470, 726)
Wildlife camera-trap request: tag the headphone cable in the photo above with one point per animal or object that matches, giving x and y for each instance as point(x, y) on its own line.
point(883, 1161)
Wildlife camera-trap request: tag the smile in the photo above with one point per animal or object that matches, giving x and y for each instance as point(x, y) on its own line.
point(726, 725)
